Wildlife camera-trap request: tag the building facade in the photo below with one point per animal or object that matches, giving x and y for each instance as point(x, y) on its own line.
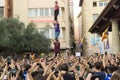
point(6, 8)
point(109, 20)
point(41, 12)
point(90, 10)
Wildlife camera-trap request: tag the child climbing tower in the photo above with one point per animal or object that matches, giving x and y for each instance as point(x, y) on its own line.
point(57, 29)
point(56, 10)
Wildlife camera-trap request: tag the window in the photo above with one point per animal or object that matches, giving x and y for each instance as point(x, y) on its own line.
point(102, 3)
point(95, 4)
point(52, 11)
point(1, 12)
point(36, 12)
point(105, 4)
point(95, 16)
point(46, 12)
point(33, 12)
point(50, 33)
point(41, 12)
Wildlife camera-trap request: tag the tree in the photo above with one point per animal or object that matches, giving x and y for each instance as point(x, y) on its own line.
point(15, 38)
point(36, 41)
point(10, 33)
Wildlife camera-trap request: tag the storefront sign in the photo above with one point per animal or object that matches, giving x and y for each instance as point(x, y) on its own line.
point(41, 21)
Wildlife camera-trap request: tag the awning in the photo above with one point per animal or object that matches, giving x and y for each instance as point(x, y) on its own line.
point(111, 11)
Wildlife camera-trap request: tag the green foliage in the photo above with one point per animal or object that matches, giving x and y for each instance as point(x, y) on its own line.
point(15, 38)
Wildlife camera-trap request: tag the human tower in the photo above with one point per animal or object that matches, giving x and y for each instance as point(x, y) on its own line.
point(56, 23)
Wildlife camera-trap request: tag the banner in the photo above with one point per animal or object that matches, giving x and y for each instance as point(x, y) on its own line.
point(107, 44)
point(94, 49)
point(78, 54)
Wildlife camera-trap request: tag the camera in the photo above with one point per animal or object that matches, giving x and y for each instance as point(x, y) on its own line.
point(91, 64)
point(1, 69)
point(13, 72)
point(77, 68)
point(55, 69)
point(9, 60)
point(40, 66)
point(27, 67)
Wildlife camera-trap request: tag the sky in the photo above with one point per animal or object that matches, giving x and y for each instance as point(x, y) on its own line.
point(76, 7)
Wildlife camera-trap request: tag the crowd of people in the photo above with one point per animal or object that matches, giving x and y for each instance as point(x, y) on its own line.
point(70, 67)
point(64, 66)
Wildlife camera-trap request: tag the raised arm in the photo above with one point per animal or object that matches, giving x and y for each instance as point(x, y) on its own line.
point(4, 71)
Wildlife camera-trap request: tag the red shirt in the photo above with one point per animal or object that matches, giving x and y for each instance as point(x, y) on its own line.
point(56, 47)
point(56, 7)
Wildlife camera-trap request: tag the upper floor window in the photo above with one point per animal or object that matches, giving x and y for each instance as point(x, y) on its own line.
point(46, 12)
point(52, 11)
point(41, 12)
point(103, 3)
point(94, 3)
point(50, 33)
point(2, 3)
point(1, 12)
point(33, 12)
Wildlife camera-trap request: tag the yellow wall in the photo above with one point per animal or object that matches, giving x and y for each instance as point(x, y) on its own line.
point(21, 9)
point(87, 17)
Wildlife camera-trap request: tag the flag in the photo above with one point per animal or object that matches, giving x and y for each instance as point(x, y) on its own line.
point(105, 34)
point(81, 41)
point(107, 44)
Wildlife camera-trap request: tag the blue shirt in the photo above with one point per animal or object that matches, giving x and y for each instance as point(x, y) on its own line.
point(101, 75)
point(57, 29)
point(25, 74)
point(108, 76)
